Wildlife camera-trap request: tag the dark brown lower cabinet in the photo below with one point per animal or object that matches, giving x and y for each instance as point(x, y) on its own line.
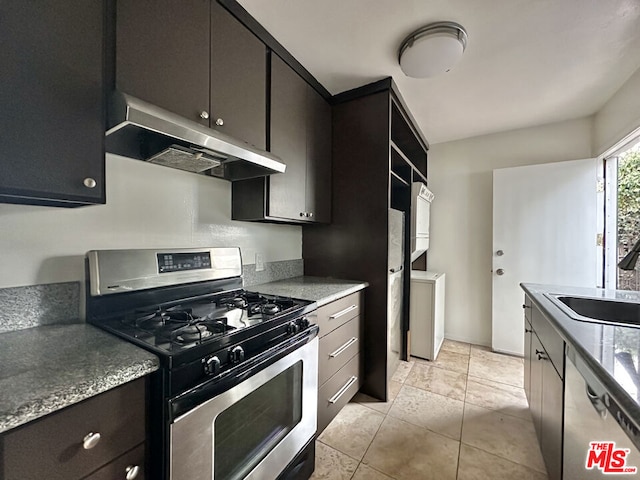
point(544, 387)
point(55, 447)
point(551, 420)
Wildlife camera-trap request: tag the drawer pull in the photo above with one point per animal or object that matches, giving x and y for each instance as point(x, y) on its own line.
point(90, 440)
point(338, 351)
point(132, 471)
point(342, 312)
point(344, 388)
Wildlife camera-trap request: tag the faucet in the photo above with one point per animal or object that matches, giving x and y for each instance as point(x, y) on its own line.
point(630, 259)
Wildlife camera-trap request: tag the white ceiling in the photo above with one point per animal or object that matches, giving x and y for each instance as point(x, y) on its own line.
point(528, 62)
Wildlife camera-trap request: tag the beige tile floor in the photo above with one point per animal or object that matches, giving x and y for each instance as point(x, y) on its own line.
point(462, 417)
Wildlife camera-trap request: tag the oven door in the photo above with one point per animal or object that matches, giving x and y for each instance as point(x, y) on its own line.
point(255, 428)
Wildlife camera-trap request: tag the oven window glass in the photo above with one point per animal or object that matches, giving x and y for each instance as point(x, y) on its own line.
point(249, 429)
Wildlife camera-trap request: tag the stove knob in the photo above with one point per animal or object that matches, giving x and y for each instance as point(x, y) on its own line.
point(304, 323)
point(212, 366)
point(293, 328)
point(236, 355)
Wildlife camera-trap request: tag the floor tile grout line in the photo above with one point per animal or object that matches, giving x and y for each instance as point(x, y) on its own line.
point(503, 458)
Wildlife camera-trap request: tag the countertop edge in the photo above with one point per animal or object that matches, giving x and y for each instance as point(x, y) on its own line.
point(552, 312)
point(59, 400)
point(339, 288)
point(342, 294)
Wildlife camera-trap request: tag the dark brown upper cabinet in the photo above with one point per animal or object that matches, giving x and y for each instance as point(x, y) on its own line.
point(300, 134)
point(52, 143)
point(194, 59)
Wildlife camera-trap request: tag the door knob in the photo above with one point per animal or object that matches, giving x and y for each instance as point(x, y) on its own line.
point(500, 271)
point(499, 253)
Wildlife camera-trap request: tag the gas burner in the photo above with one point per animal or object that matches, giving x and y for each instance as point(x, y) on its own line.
point(238, 302)
point(269, 308)
point(192, 333)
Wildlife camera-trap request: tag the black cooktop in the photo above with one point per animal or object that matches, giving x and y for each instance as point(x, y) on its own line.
point(178, 327)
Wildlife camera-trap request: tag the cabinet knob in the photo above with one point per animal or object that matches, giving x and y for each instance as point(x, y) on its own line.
point(132, 471)
point(204, 115)
point(310, 214)
point(89, 182)
point(499, 253)
point(90, 440)
point(500, 271)
point(303, 214)
point(219, 122)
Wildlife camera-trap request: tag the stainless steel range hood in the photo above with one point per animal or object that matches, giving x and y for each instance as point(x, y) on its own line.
point(140, 130)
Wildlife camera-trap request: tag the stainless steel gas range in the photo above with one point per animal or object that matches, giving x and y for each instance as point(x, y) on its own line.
point(236, 394)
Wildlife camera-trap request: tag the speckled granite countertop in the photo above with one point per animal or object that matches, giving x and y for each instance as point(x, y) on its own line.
point(612, 352)
point(317, 289)
point(44, 369)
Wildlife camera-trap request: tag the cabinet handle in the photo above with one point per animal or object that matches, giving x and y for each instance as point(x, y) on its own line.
point(219, 122)
point(90, 440)
point(344, 388)
point(526, 306)
point(303, 214)
point(132, 471)
point(342, 312)
point(204, 115)
point(341, 349)
point(541, 355)
point(310, 214)
point(526, 330)
point(89, 182)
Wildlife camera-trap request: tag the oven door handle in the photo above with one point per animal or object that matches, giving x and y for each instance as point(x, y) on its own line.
point(344, 388)
point(230, 378)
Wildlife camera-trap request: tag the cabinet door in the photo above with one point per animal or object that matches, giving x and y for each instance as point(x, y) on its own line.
point(318, 184)
point(162, 54)
point(238, 79)
point(52, 103)
point(527, 359)
point(535, 400)
point(288, 141)
point(551, 422)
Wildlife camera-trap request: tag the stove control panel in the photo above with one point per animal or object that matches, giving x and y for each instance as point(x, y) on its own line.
point(179, 262)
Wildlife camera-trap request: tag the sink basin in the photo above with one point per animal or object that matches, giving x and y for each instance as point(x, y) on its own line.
point(598, 309)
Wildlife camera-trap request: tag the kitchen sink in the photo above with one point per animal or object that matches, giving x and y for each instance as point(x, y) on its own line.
point(598, 309)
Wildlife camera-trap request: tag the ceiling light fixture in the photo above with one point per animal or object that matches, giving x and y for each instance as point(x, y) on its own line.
point(432, 50)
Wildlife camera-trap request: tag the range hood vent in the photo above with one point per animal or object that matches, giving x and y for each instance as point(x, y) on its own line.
point(143, 131)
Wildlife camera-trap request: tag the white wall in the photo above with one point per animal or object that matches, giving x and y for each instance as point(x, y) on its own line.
point(618, 117)
point(148, 206)
point(460, 175)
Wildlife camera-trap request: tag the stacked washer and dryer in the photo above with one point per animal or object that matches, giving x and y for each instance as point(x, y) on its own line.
point(426, 315)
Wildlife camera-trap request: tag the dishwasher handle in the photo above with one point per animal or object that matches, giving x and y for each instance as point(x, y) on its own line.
point(599, 403)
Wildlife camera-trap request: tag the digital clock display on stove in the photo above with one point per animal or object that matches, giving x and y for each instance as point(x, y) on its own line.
point(180, 262)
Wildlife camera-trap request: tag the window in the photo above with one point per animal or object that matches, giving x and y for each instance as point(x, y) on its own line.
point(622, 224)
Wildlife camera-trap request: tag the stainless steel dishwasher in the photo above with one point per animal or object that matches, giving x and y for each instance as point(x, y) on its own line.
point(599, 438)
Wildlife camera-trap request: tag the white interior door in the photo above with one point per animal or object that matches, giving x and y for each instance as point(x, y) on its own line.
point(544, 231)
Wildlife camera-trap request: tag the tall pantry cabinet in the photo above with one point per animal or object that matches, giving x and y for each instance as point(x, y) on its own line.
point(377, 152)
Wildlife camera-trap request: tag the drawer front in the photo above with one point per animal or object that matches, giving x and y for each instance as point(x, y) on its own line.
point(551, 341)
point(338, 390)
point(337, 348)
point(337, 313)
point(131, 463)
point(53, 448)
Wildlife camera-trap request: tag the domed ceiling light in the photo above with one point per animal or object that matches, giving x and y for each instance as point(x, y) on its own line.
point(432, 50)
